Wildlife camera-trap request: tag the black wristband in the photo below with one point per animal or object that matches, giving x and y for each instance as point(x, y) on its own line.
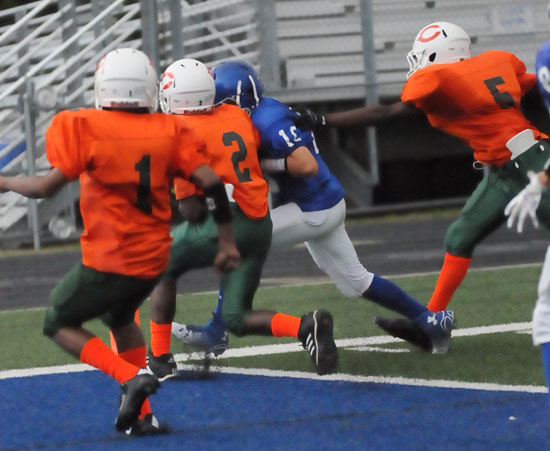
point(218, 204)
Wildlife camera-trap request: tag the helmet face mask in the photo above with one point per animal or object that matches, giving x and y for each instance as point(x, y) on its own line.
point(237, 82)
point(186, 87)
point(439, 43)
point(126, 79)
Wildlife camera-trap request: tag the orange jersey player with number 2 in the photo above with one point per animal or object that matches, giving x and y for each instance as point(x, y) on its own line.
point(233, 142)
point(476, 99)
point(126, 156)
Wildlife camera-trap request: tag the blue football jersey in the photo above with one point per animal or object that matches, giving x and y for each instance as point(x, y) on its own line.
point(279, 137)
point(542, 67)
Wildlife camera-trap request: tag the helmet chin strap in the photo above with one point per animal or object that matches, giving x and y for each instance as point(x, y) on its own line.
point(256, 98)
point(239, 92)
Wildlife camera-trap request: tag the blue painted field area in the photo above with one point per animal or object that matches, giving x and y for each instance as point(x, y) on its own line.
point(237, 412)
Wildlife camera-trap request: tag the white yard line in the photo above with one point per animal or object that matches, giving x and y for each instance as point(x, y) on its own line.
point(379, 379)
point(342, 343)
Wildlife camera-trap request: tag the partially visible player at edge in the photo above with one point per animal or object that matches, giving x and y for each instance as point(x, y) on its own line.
point(312, 207)
point(525, 205)
point(125, 155)
point(187, 92)
point(476, 99)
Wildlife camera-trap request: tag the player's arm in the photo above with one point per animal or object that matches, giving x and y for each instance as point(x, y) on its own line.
point(205, 178)
point(35, 186)
point(302, 163)
point(365, 116)
point(192, 208)
point(299, 163)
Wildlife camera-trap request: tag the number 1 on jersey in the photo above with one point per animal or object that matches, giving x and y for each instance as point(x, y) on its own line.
point(143, 167)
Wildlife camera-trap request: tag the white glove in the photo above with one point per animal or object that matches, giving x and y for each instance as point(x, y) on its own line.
point(525, 203)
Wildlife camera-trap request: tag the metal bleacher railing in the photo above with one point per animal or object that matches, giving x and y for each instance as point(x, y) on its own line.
point(307, 51)
point(50, 50)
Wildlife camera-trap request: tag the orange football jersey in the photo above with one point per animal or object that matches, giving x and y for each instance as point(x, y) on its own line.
point(126, 163)
point(477, 100)
point(232, 143)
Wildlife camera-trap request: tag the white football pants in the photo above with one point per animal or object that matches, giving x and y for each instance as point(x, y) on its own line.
point(326, 239)
point(541, 313)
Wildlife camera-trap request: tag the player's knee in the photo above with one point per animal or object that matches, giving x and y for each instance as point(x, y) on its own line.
point(353, 289)
point(234, 322)
point(51, 324)
point(459, 241)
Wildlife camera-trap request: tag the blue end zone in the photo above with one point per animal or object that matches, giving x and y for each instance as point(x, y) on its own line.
point(236, 412)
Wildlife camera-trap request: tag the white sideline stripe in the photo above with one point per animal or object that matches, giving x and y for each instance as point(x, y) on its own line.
point(249, 351)
point(377, 379)
point(277, 349)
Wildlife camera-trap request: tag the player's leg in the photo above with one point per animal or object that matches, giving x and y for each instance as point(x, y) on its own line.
point(193, 246)
point(482, 214)
point(314, 329)
point(290, 226)
point(86, 294)
point(334, 254)
point(541, 316)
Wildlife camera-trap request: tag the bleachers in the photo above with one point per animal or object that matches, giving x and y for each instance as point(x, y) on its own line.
point(321, 46)
point(320, 50)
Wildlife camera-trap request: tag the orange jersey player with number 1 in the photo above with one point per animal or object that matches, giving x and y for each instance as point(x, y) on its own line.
point(476, 99)
point(126, 156)
point(187, 92)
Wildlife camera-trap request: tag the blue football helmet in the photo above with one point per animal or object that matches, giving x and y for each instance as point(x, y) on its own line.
point(238, 82)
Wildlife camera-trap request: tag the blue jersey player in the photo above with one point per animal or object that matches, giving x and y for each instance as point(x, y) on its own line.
point(525, 205)
point(312, 209)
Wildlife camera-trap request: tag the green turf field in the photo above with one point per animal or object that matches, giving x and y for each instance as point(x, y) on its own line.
point(486, 298)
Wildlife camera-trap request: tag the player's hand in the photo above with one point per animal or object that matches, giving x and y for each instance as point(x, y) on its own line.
point(525, 203)
point(308, 120)
point(228, 258)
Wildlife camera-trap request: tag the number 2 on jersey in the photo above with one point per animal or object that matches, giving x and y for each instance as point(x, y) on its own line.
point(238, 156)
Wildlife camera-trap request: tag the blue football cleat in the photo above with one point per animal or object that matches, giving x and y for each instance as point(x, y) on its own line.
point(438, 327)
point(211, 337)
point(430, 331)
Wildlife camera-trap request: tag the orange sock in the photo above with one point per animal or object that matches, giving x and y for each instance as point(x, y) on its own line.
point(160, 338)
point(450, 277)
point(283, 325)
point(98, 354)
point(136, 357)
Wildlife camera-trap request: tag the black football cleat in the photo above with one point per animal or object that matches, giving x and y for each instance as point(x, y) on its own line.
point(164, 366)
point(134, 392)
point(406, 330)
point(316, 336)
point(148, 425)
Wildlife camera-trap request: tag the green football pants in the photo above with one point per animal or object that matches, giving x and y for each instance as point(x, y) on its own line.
point(196, 245)
point(484, 210)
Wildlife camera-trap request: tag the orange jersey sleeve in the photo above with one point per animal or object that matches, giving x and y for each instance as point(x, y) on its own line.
point(126, 164)
point(477, 100)
point(63, 147)
point(232, 143)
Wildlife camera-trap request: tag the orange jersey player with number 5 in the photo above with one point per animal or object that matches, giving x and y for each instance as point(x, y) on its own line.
point(126, 156)
point(476, 99)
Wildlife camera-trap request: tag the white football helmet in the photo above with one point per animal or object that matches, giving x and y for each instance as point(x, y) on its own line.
point(187, 87)
point(126, 78)
point(439, 42)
